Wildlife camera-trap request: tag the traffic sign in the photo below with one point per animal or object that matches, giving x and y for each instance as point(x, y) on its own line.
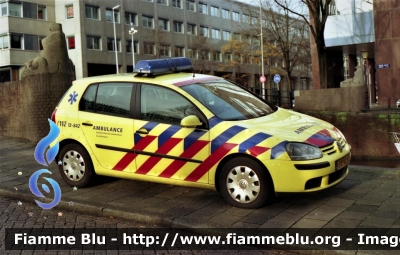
point(277, 78)
point(262, 78)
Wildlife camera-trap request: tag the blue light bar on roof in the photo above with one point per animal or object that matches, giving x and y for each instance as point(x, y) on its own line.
point(165, 65)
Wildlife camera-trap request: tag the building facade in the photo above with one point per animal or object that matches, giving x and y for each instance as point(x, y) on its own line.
point(165, 28)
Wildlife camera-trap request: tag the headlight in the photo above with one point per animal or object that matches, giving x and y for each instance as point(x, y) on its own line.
point(302, 151)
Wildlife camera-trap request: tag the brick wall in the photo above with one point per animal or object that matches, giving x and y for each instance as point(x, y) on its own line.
point(367, 133)
point(26, 105)
point(349, 99)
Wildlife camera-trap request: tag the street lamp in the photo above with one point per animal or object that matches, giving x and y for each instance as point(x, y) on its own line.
point(364, 54)
point(262, 57)
point(132, 31)
point(115, 39)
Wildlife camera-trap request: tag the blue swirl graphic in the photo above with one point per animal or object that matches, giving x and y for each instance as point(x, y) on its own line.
point(35, 190)
point(45, 142)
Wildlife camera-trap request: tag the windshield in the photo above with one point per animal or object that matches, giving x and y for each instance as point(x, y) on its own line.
point(228, 101)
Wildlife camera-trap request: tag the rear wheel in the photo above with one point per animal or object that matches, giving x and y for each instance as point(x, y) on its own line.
point(76, 166)
point(245, 183)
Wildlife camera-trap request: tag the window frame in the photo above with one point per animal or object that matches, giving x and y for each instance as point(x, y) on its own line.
point(203, 6)
point(214, 11)
point(135, 18)
point(165, 23)
point(191, 5)
point(93, 8)
point(148, 19)
point(225, 13)
point(116, 15)
point(111, 39)
point(67, 8)
point(93, 37)
point(215, 33)
point(176, 5)
point(175, 24)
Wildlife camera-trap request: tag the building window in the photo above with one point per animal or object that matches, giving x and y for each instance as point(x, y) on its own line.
point(214, 11)
point(42, 12)
point(203, 8)
point(16, 41)
point(92, 12)
point(4, 42)
point(225, 13)
point(178, 27)
point(215, 33)
point(226, 35)
point(148, 48)
point(204, 31)
point(205, 55)
point(163, 2)
point(217, 56)
point(70, 11)
point(236, 36)
point(192, 53)
point(129, 46)
point(227, 57)
point(5, 74)
point(177, 3)
point(31, 42)
point(93, 42)
point(15, 9)
point(130, 18)
point(34, 11)
point(163, 24)
point(235, 16)
point(111, 45)
point(179, 51)
point(147, 21)
point(191, 29)
point(3, 7)
point(254, 20)
point(164, 50)
point(190, 5)
point(40, 42)
point(109, 17)
point(71, 42)
point(245, 18)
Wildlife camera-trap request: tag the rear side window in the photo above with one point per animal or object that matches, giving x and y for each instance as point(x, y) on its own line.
point(108, 98)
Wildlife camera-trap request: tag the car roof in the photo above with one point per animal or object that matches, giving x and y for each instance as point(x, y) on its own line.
point(177, 79)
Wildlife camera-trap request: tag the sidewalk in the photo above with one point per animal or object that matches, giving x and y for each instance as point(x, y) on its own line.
point(368, 197)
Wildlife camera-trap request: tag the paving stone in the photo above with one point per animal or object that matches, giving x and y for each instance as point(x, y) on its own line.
point(310, 223)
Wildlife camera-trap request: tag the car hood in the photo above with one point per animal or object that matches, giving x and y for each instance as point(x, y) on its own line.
point(295, 127)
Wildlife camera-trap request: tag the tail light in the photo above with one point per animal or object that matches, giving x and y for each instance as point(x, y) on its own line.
point(53, 116)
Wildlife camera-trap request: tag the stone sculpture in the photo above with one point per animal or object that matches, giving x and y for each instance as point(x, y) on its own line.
point(53, 58)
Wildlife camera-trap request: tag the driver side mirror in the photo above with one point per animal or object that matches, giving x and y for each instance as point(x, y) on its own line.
point(191, 121)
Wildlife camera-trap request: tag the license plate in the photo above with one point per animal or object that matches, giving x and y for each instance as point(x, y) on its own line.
point(343, 162)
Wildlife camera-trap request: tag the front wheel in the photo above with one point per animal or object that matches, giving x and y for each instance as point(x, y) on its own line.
point(76, 166)
point(245, 183)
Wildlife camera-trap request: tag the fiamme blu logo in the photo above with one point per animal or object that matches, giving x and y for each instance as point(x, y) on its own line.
point(44, 157)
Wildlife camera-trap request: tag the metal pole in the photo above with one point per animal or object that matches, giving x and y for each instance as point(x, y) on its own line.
point(262, 55)
point(115, 39)
point(132, 32)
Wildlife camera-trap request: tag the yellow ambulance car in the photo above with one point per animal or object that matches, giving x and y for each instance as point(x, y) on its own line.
point(163, 123)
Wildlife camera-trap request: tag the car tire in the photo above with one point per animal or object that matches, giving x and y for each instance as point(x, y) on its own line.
point(76, 166)
point(245, 183)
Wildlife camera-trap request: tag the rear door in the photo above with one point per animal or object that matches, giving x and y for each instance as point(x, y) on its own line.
point(105, 114)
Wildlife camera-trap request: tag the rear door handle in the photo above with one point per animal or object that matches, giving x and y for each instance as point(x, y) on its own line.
point(87, 124)
point(142, 131)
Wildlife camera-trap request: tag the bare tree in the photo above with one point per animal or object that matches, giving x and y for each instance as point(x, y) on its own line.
point(200, 49)
point(319, 11)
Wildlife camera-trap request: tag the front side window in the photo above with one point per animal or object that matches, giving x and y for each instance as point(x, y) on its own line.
point(92, 12)
point(111, 44)
point(178, 27)
point(227, 100)
point(93, 42)
point(107, 98)
point(163, 105)
point(147, 21)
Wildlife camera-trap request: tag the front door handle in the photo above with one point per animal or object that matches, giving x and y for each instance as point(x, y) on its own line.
point(87, 124)
point(142, 131)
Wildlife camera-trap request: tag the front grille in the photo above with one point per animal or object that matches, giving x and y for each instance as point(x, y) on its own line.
point(333, 148)
point(337, 175)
